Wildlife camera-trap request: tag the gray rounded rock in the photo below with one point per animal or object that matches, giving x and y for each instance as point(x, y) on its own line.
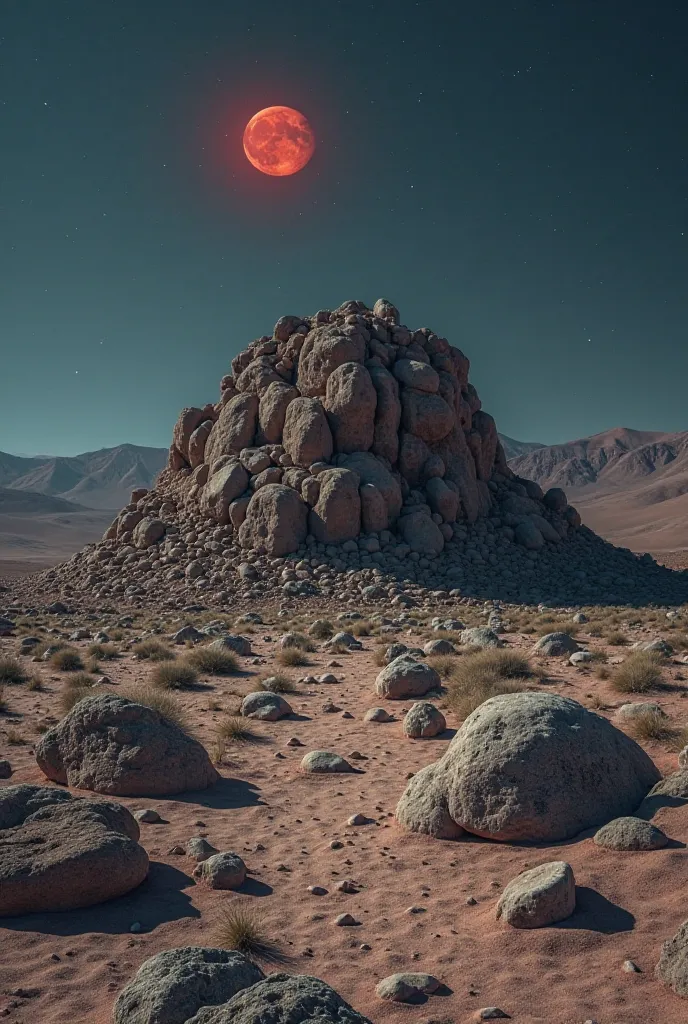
point(539, 897)
point(404, 987)
point(433, 647)
point(322, 762)
point(405, 677)
point(265, 705)
point(113, 745)
point(626, 834)
point(424, 720)
point(480, 636)
point(222, 871)
point(556, 645)
point(377, 715)
point(520, 768)
point(174, 985)
point(282, 999)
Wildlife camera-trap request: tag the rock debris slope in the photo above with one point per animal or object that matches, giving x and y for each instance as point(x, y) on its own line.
point(346, 440)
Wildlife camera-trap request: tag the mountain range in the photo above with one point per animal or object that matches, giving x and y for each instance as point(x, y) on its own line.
point(94, 480)
point(631, 486)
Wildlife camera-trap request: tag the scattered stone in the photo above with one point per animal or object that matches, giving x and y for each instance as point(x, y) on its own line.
point(405, 677)
point(539, 897)
point(5, 768)
point(199, 849)
point(626, 834)
point(265, 706)
point(630, 967)
point(345, 920)
point(555, 645)
point(148, 816)
point(481, 636)
point(492, 1013)
point(317, 890)
point(377, 715)
point(322, 762)
point(403, 988)
point(424, 720)
point(222, 871)
point(434, 647)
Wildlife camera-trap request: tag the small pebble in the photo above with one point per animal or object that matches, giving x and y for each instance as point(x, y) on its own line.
point(148, 816)
point(345, 920)
point(317, 890)
point(630, 968)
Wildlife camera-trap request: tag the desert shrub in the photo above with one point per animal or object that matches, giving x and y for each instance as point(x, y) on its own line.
point(379, 656)
point(291, 657)
point(233, 729)
point(362, 628)
point(301, 642)
point(102, 652)
point(212, 661)
point(34, 683)
point(617, 639)
point(76, 689)
point(322, 629)
point(174, 675)
point(153, 650)
point(443, 664)
point(650, 725)
point(11, 671)
point(67, 660)
point(640, 672)
point(241, 928)
point(167, 706)
point(278, 683)
point(484, 674)
point(14, 737)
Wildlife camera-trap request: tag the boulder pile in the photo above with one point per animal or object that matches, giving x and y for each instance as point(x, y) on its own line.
point(348, 443)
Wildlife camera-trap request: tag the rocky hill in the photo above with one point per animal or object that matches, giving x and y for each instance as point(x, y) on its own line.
point(100, 480)
point(629, 485)
point(349, 456)
point(513, 448)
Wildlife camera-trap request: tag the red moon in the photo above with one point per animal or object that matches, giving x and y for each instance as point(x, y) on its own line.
point(279, 141)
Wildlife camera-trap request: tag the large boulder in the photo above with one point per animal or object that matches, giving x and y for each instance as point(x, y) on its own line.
point(443, 499)
point(387, 414)
point(534, 767)
point(265, 706)
point(421, 533)
point(424, 720)
point(372, 470)
point(272, 411)
point(197, 443)
point(59, 853)
point(427, 416)
point(222, 489)
point(337, 515)
point(149, 531)
point(406, 677)
point(188, 421)
point(324, 349)
point(350, 401)
point(282, 999)
point(307, 437)
point(276, 519)
point(113, 745)
point(414, 374)
point(174, 985)
point(235, 428)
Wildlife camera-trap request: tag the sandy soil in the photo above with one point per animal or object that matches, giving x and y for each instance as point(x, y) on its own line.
point(282, 823)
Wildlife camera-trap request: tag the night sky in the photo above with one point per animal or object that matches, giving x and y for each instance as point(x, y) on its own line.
point(513, 175)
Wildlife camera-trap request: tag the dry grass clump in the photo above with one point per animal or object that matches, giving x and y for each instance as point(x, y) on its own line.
point(67, 660)
point(322, 629)
point(241, 928)
point(153, 650)
point(379, 656)
point(232, 729)
point(3, 702)
point(444, 664)
point(14, 737)
point(617, 639)
point(651, 725)
point(11, 671)
point(291, 657)
point(167, 706)
point(212, 661)
point(76, 687)
point(640, 672)
point(301, 642)
point(278, 683)
point(174, 675)
point(362, 628)
point(485, 674)
point(102, 652)
point(34, 683)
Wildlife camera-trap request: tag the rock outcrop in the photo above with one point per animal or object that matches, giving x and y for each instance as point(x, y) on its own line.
point(59, 853)
point(529, 766)
point(113, 745)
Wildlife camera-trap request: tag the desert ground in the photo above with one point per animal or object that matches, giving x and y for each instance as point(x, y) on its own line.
point(419, 903)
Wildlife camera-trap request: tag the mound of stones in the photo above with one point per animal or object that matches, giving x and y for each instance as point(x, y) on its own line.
point(528, 766)
point(348, 441)
point(113, 745)
point(59, 853)
point(195, 985)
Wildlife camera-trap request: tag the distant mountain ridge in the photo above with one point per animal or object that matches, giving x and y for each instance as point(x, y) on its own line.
point(631, 486)
point(512, 448)
point(98, 480)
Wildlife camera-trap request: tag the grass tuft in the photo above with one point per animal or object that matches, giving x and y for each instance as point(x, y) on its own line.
point(174, 675)
point(153, 650)
point(291, 657)
point(11, 671)
point(278, 684)
point(241, 928)
point(67, 660)
point(484, 674)
point(167, 706)
point(102, 652)
point(617, 639)
point(322, 629)
point(651, 725)
point(213, 662)
point(640, 672)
